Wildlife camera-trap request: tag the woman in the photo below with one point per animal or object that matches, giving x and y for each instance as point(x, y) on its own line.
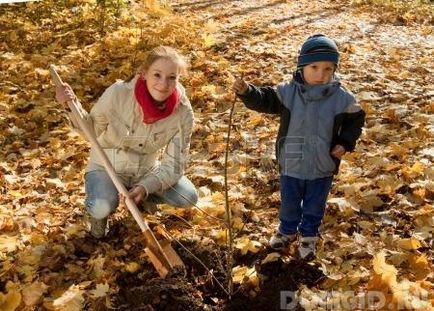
point(134, 122)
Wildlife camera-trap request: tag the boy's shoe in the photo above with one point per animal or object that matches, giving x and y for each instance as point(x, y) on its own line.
point(281, 241)
point(307, 248)
point(98, 227)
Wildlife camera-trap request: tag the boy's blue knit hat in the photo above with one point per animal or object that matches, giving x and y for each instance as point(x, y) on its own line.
point(318, 48)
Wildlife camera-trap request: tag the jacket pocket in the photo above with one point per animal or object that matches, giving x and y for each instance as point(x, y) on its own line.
point(325, 164)
point(292, 154)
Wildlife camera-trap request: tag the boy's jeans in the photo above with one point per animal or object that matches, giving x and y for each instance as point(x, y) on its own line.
point(102, 196)
point(303, 204)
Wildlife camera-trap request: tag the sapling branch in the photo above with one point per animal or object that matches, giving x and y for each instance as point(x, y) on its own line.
point(228, 214)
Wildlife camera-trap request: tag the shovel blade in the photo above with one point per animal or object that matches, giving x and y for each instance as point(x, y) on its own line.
point(162, 255)
point(158, 264)
point(172, 256)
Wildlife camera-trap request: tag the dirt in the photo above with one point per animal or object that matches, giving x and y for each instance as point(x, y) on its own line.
point(195, 289)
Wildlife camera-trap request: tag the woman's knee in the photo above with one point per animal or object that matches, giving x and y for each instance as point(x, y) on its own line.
point(101, 208)
point(186, 199)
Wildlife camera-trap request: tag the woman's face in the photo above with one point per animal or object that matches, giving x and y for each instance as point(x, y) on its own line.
point(161, 78)
point(318, 72)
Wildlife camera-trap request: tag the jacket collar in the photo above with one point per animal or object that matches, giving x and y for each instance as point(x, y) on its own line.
point(317, 92)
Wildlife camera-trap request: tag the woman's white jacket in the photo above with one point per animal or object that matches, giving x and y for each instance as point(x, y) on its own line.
point(152, 155)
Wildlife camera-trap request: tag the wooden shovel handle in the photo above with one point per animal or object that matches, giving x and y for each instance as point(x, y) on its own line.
point(101, 154)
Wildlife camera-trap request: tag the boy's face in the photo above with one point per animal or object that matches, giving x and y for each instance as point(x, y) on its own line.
point(318, 73)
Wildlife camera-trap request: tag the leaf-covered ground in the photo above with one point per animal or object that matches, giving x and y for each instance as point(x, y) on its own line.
point(377, 236)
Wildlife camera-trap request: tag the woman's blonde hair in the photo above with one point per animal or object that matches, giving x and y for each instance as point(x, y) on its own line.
point(165, 52)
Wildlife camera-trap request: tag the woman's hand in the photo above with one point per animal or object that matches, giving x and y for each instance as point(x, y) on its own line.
point(240, 86)
point(338, 151)
point(137, 194)
point(64, 94)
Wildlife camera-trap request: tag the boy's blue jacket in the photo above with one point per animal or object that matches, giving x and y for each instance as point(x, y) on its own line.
point(313, 119)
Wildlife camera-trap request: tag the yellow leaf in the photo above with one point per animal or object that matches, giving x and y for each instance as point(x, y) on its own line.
point(7, 224)
point(243, 274)
point(420, 192)
point(100, 291)
point(253, 277)
point(97, 265)
point(211, 26)
point(42, 72)
point(56, 182)
point(255, 120)
point(75, 230)
point(15, 193)
point(419, 265)
point(38, 239)
point(71, 300)
point(384, 270)
point(254, 216)
point(132, 267)
point(411, 296)
point(247, 245)
point(364, 224)
point(418, 168)
point(32, 294)
point(220, 236)
point(10, 301)
point(412, 172)
point(409, 244)
point(155, 8)
point(209, 89)
point(271, 258)
point(399, 151)
point(208, 40)
point(238, 223)
point(354, 277)
point(8, 243)
point(238, 274)
point(218, 197)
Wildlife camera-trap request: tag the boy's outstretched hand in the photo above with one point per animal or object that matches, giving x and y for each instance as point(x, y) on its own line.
point(240, 86)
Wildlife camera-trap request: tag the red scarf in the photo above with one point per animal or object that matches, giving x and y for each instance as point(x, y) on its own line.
point(151, 112)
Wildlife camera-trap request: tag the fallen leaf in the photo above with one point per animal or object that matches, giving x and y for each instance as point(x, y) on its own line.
point(101, 290)
point(409, 244)
point(10, 301)
point(246, 245)
point(71, 300)
point(8, 243)
point(32, 294)
point(132, 267)
point(271, 258)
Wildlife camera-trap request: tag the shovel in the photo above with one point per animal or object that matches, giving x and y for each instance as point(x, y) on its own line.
point(162, 255)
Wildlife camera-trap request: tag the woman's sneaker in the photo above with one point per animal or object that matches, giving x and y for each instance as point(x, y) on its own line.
point(281, 241)
point(98, 227)
point(307, 248)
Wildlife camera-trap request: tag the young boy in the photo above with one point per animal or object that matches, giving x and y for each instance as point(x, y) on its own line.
point(319, 122)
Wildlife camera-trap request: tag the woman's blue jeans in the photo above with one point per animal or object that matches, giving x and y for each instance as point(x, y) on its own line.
point(303, 204)
point(102, 196)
